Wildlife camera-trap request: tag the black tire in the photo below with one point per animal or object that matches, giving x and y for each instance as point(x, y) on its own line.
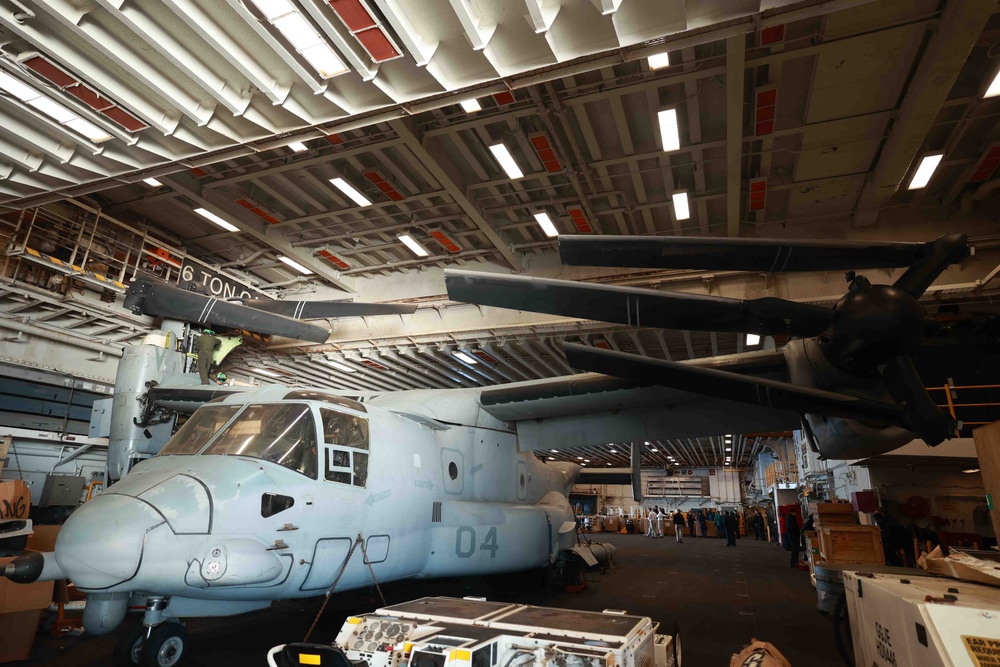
point(677, 645)
point(842, 628)
point(165, 646)
point(129, 645)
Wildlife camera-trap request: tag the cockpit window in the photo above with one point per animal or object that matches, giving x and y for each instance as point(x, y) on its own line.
point(346, 437)
point(282, 433)
point(199, 429)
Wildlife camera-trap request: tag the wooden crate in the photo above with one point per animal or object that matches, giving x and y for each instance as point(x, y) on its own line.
point(836, 520)
point(850, 544)
point(831, 508)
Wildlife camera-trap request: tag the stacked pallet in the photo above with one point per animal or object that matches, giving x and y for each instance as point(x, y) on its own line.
point(839, 539)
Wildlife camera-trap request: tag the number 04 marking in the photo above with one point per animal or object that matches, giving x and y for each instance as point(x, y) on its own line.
point(465, 542)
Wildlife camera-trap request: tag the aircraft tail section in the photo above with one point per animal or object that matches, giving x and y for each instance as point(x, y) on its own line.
point(569, 472)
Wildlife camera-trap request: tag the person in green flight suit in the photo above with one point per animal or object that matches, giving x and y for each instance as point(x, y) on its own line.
point(206, 344)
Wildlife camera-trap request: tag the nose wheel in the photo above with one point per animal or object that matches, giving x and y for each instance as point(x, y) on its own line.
point(164, 647)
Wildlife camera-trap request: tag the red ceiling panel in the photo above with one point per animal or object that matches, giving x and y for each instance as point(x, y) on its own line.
point(506, 97)
point(772, 35)
point(445, 240)
point(334, 139)
point(580, 220)
point(383, 185)
point(374, 364)
point(50, 71)
point(91, 98)
point(482, 354)
point(353, 13)
point(987, 165)
point(766, 103)
point(254, 208)
point(125, 119)
point(758, 194)
point(199, 172)
point(333, 259)
point(377, 44)
point(545, 153)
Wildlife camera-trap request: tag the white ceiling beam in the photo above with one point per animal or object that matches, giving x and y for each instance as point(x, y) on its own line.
point(403, 129)
point(479, 29)
point(958, 31)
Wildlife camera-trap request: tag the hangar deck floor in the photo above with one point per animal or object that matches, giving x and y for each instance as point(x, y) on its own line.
point(720, 597)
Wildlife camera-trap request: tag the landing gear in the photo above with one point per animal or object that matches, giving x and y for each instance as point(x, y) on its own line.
point(165, 646)
point(156, 642)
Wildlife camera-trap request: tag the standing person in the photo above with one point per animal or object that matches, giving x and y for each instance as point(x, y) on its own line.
point(690, 518)
point(679, 526)
point(794, 537)
point(731, 524)
point(702, 524)
point(783, 531)
point(659, 521)
point(206, 344)
point(720, 526)
point(651, 518)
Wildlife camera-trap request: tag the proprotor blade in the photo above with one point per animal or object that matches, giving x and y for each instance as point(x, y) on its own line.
point(945, 251)
point(732, 386)
point(162, 300)
point(638, 306)
point(723, 254)
point(311, 310)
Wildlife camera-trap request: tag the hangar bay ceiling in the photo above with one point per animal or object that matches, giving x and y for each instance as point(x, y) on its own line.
point(376, 143)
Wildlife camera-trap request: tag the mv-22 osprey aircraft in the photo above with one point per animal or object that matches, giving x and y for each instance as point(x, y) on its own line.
point(260, 495)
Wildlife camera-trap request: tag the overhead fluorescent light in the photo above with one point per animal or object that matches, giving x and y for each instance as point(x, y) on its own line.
point(297, 146)
point(971, 470)
point(506, 161)
point(681, 210)
point(580, 457)
point(613, 451)
point(264, 371)
point(658, 60)
point(152, 182)
point(586, 460)
point(272, 9)
point(413, 245)
point(302, 37)
point(647, 443)
point(546, 224)
point(552, 458)
point(208, 215)
point(994, 88)
point(295, 265)
point(553, 450)
point(470, 106)
point(462, 356)
point(57, 112)
point(654, 449)
point(351, 192)
point(922, 176)
point(753, 339)
point(729, 449)
point(339, 366)
point(669, 132)
point(609, 463)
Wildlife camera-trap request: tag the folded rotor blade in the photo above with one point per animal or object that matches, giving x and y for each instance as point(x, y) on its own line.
point(732, 386)
point(638, 306)
point(724, 254)
point(635, 456)
point(945, 251)
point(311, 310)
point(931, 424)
point(162, 300)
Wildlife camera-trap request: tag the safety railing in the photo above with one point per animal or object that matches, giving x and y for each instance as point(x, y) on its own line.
point(970, 409)
point(779, 473)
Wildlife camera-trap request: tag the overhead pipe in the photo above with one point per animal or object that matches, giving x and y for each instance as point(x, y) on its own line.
point(59, 337)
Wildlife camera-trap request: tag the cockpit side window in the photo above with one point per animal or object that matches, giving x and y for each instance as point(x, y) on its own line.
point(346, 437)
point(283, 433)
point(199, 429)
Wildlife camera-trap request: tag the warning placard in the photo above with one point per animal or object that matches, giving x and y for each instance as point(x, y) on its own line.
point(985, 652)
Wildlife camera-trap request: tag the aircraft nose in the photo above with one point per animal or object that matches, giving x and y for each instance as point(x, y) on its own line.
point(102, 542)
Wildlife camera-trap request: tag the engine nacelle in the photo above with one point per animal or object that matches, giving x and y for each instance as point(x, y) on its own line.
point(838, 438)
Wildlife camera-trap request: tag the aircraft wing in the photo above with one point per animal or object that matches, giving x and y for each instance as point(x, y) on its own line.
point(591, 409)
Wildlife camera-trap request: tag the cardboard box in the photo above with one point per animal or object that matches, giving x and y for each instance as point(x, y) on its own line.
point(23, 597)
point(17, 634)
point(21, 608)
point(44, 538)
